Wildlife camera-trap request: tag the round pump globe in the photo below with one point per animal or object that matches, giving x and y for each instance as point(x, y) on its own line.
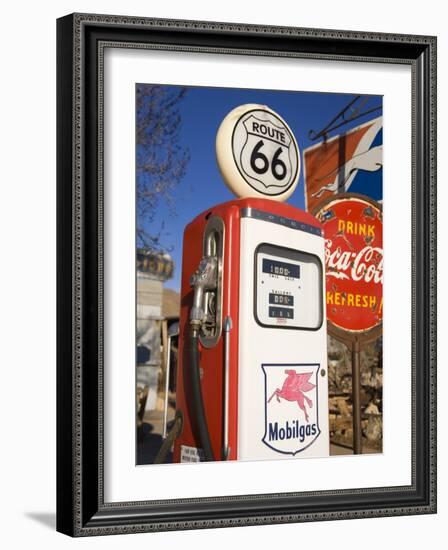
point(257, 153)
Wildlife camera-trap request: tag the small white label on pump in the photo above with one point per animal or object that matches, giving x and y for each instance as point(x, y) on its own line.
point(191, 454)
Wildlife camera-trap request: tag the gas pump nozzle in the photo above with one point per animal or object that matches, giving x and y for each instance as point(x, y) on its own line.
point(204, 279)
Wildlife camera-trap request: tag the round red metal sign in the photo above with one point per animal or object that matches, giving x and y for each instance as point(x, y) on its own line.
point(353, 232)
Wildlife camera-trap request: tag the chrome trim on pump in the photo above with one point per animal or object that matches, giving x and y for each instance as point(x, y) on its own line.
point(249, 212)
point(227, 329)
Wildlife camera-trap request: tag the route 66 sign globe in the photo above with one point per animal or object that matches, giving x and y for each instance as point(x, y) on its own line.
point(257, 153)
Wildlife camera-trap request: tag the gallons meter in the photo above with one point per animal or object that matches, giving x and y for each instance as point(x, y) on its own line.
point(252, 378)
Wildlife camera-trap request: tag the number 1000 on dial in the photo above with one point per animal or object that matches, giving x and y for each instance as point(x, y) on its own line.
point(283, 269)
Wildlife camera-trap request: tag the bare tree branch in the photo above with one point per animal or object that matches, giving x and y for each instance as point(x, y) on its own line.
point(161, 160)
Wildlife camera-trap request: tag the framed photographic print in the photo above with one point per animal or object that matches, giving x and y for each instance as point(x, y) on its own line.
point(246, 274)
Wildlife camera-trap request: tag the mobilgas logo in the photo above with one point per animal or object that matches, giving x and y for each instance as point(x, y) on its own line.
point(291, 407)
point(293, 430)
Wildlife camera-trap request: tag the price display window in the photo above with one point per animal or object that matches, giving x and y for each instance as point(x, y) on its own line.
point(288, 288)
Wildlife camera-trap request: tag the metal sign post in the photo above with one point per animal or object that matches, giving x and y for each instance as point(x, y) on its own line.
point(356, 396)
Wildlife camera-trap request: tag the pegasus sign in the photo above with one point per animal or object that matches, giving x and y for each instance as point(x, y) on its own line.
point(350, 162)
point(291, 407)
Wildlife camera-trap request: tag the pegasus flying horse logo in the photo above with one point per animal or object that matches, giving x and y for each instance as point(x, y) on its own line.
point(349, 162)
point(291, 420)
point(294, 388)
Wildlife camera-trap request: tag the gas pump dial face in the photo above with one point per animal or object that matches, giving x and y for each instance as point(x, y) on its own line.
point(288, 288)
point(257, 153)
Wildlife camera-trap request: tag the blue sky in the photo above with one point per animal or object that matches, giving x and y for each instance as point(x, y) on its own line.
point(202, 111)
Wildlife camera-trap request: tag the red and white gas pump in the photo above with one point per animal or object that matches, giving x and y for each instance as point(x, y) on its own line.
point(252, 377)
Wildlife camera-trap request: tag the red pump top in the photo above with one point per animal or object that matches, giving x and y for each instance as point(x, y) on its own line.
point(266, 205)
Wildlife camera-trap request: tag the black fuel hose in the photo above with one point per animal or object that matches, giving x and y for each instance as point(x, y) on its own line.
point(197, 400)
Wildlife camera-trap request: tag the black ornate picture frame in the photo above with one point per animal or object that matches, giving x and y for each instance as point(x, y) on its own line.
point(81, 41)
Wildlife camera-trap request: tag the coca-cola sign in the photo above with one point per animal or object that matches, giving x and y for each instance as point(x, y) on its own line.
point(353, 232)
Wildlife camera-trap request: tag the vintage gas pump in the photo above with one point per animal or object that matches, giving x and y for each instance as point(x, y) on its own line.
point(252, 377)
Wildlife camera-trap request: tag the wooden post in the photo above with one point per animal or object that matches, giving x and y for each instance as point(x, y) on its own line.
point(356, 397)
point(165, 351)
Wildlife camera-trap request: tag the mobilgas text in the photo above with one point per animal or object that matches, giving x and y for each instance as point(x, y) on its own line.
point(291, 430)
